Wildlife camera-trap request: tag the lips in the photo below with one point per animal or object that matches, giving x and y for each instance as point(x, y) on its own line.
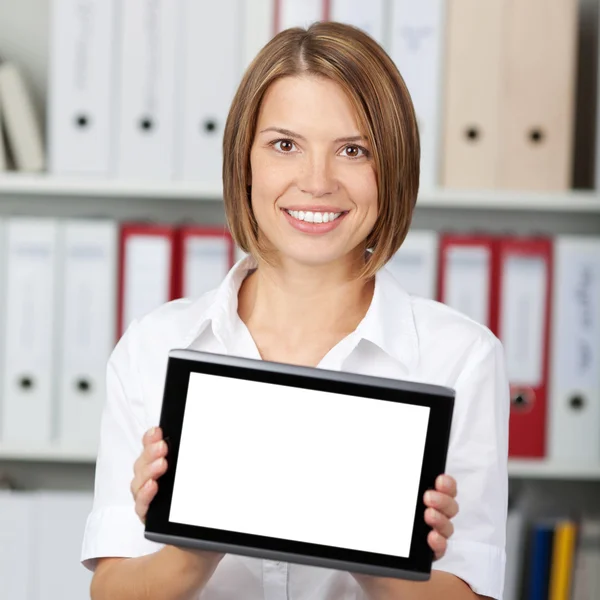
point(309, 216)
point(314, 221)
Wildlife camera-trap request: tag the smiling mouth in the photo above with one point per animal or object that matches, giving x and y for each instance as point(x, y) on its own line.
point(311, 216)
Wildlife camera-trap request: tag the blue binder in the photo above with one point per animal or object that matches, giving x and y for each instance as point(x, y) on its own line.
point(541, 556)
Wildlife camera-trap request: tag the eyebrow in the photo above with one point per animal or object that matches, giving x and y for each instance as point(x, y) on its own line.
point(292, 134)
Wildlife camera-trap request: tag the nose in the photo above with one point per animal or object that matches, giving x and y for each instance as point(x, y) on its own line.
point(317, 176)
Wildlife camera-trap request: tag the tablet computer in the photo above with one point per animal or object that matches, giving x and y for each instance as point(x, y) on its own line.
point(299, 464)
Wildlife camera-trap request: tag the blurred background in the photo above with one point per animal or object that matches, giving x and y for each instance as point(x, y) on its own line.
point(112, 116)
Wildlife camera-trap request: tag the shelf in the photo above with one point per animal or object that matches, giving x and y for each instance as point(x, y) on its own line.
point(575, 201)
point(517, 468)
point(542, 469)
point(13, 184)
point(44, 185)
point(57, 455)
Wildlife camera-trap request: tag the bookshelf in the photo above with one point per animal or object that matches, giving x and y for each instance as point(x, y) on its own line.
point(24, 35)
point(540, 487)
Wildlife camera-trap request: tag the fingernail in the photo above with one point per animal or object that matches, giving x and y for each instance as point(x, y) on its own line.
point(151, 431)
point(148, 484)
point(428, 497)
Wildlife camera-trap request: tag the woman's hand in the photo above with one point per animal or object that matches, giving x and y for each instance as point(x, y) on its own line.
point(151, 465)
point(441, 508)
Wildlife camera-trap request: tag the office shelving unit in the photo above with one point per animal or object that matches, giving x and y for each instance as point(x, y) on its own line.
point(24, 37)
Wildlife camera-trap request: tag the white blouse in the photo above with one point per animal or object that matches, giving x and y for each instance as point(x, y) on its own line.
point(401, 336)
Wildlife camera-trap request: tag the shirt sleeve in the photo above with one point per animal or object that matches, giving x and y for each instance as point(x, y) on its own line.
point(113, 529)
point(478, 460)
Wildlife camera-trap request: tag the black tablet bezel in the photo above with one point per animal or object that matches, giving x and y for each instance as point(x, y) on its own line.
point(439, 399)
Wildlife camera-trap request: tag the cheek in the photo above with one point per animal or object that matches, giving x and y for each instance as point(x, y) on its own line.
point(268, 183)
point(365, 191)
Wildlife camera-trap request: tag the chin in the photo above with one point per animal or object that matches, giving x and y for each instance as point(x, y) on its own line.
point(315, 257)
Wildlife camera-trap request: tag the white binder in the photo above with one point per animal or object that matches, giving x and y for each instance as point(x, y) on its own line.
point(205, 264)
point(59, 524)
point(16, 544)
point(292, 13)
point(81, 86)
point(147, 274)
point(468, 272)
point(88, 261)
point(574, 411)
point(29, 363)
point(415, 264)
point(368, 16)
point(258, 19)
point(148, 59)
point(209, 78)
point(416, 43)
point(516, 530)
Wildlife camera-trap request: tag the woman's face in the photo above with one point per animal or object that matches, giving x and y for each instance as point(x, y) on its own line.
point(314, 191)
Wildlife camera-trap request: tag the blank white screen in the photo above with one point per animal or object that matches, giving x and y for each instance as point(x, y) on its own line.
point(298, 464)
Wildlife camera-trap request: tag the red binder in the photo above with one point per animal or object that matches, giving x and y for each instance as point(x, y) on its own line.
point(146, 270)
point(467, 276)
point(525, 284)
point(204, 256)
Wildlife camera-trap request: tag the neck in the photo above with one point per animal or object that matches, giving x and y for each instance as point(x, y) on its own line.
point(298, 300)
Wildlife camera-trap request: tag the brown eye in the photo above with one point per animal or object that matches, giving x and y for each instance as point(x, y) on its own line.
point(285, 145)
point(353, 151)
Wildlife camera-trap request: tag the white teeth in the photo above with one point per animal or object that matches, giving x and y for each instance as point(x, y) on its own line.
point(313, 217)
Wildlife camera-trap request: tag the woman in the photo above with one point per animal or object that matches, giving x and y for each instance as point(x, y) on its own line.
point(321, 172)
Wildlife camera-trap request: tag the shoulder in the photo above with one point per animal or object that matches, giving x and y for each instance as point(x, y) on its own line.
point(448, 343)
point(436, 320)
point(452, 342)
point(175, 319)
point(165, 328)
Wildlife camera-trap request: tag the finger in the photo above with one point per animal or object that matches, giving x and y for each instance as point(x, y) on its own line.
point(147, 471)
point(154, 450)
point(437, 543)
point(154, 434)
point(446, 485)
point(440, 523)
point(445, 504)
point(141, 473)
point(144, 497)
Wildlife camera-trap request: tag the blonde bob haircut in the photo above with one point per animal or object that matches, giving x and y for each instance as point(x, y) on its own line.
point(385, 113)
